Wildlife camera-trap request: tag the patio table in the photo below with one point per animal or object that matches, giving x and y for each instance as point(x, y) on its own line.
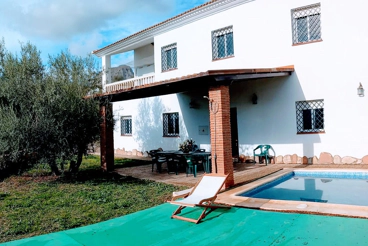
point(206, 160)
point(172, 152)
point(170, 158)
point(205, 156)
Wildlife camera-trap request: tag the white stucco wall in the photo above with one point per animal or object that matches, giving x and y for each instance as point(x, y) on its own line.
point(262, 37)
point(143, 60)
point(329, 70)
point(147, 129)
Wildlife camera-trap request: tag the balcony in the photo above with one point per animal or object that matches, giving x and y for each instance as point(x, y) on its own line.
point(147, 86)
point(130, 83)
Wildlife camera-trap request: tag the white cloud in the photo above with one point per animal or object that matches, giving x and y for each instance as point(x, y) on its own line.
point(83, 25)
point(61, 20)
point(83, 44)
point(12, 39)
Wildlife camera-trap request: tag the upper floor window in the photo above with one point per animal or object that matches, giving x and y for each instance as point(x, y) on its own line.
point(169, 57)
point(222, 43)
point(171, 124)
point(126, 125)
point(306, 24)
point(310, 116)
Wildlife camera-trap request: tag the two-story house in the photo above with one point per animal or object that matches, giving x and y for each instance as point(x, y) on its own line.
point(232, 74)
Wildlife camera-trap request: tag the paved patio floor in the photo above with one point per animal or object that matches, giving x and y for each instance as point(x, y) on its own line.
point(243, 172)
point(235, 226)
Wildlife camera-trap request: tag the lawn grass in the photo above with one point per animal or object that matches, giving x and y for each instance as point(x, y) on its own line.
point(37, 202)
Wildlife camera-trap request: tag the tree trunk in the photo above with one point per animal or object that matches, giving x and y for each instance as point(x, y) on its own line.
point(54, 167)
point(74, 165)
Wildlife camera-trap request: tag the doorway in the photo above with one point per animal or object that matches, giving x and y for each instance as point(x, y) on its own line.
point(234, 132)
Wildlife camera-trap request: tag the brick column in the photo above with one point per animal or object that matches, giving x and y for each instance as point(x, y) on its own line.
point(221, 132)
point(107, 138)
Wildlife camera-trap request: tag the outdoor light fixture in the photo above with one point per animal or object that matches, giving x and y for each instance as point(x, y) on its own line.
point(193, 104)
point(360, 90)
point(254, 98)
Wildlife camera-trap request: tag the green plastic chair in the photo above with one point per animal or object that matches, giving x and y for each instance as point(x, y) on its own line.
point(264, 153)
point(157, 159)
point(191, 167)
point(173, 163)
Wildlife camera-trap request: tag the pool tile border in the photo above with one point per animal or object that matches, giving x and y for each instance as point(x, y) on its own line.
point(345, 174)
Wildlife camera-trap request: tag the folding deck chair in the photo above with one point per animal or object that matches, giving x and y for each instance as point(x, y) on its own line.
point(203, 194)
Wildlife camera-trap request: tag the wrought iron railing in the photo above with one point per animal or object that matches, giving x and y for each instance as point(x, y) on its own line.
point(130, 83)
point(306, 24)
point(222, 43)
point(169, 57)
point(310, 116)
point(170, 124)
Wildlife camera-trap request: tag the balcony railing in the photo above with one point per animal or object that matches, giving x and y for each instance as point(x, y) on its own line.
point(130, 83)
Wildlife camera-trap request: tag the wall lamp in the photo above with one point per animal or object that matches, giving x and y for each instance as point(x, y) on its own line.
point(360, 90)
point(193, 104)
point(254, 98)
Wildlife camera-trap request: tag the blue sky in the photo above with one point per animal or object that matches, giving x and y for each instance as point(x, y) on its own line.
point(81, 25)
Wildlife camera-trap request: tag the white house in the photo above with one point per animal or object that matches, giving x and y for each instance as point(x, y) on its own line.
point(283, 73)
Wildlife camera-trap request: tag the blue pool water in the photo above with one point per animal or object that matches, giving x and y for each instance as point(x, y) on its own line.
point(326, 187)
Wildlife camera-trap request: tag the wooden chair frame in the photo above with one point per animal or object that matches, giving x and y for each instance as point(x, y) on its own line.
point(206, 203)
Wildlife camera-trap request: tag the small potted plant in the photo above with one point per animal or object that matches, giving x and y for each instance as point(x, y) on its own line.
point(187, 145)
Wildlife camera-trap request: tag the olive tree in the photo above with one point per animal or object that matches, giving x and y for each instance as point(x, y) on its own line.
point(45, 115)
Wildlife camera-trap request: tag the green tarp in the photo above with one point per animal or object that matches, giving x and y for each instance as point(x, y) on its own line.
point(235, 226)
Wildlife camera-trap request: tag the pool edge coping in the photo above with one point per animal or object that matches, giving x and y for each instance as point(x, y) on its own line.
point(231, 197)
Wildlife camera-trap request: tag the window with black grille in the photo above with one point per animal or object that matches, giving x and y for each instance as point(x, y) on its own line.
point(169, 57)
point(222, 43)
point(171, 124)
point(306, 24)
point(126, 125)
point(310, 116)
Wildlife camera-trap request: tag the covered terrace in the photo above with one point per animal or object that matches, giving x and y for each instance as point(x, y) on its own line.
point(216, 82)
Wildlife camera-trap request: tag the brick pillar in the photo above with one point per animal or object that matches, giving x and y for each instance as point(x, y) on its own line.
point(221, 132)
point(107, 138)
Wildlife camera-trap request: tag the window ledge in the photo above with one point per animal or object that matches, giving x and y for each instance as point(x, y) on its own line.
point(302, 133)
point(224, 58)
point(169, 70)
point(309, 42)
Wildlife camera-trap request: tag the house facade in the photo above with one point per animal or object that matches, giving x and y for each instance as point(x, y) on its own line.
point(233, 74)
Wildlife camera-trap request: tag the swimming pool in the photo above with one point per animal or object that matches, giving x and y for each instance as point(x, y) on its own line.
point(337, 187)
point(304, 203)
